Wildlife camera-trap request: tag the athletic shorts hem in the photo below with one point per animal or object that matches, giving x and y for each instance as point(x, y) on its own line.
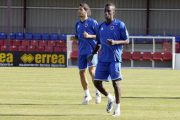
point(120, 78)
point(82, 69)
point(104, 80)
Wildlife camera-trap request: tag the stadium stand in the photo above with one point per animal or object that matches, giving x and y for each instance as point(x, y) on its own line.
point(149, 39)
point(167, 56)
point(22, 48)
point(136, 55)
point(147, 56)
point(28, 36)
point(5, 42)
point(51, 43)
point(34, 42)
point(19, 35)
point(42, 43)
point(62, 36)
point(31, 48)
point(157, 56)
point(16, 42)
point(60, 43)
point(40, 48)
point(54, 36)
point(12, 35)
point(48, 49)
point(65, 49)
point(45, 36)
point(25, 42)
point(1, 42)
point(4, 48)
point(126, 56)
point(159, 40)
point(37, 36)
point(57, 49)
point(141, 39)
point(13, 48)
point(167, 45)
point(3, 35)
point(74, 55)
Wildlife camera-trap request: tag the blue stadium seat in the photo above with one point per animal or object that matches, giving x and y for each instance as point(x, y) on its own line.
point(54, 36)
point(37, 36)
point(149, 39)
point(130, 39)
point(159, 40)
point(140, 39)
point(19, 35)
point(3, 35)
point(28, 36)
point(62, 36)
point(168, 40)
point(12, 35)
point(45, 36)
point(177, 38)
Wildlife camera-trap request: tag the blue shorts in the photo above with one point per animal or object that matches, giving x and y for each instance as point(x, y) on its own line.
point(83, 63)
point(107, 70)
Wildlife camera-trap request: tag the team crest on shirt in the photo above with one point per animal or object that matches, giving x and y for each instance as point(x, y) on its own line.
point(117, 73)
point(86, 25)
point(112, 27)
point(92, 61)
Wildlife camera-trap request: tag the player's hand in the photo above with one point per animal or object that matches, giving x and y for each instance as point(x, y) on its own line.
point(90, 58)
point(111, 42)
point(72, 37)
point(86, 35)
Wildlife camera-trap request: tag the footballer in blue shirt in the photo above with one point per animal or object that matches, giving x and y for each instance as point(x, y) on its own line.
point(111, 35)
point(86, 35)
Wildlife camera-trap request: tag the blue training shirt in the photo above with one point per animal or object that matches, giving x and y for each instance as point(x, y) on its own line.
point(86, 45)
point(115, 30)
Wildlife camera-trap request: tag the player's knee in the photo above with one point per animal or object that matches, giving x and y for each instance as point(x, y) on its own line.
point(116, 84)
point(97, 83)
point(82, 72)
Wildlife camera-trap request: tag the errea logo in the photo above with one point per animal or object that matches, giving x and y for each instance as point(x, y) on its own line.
point(27, 58)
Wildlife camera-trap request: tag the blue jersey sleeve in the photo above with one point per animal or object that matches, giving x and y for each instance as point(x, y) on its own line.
point(97, 34)
point(76, 35)
point(94, 26)
point(123, 32)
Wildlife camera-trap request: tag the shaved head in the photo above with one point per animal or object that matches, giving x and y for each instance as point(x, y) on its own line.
point(110, 5)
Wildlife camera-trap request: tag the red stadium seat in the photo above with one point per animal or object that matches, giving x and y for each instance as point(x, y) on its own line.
point(34, 43)
point(4, 48)
point(25, 42)
point(48, 49)
point(165, 50)
point(13, 48)
point(1, 42)
point(167, 56)
point(157, 56)
point(40, 48)
point(136, 55)
point(74, 55)
point(65, 49)
point(60, 43)
point(147, 56)
point(5, 42)
point(16, 42)
point(42, 43)
point(126, 56)
point(167, 45)
point(31, 48)
point(22, 48)
point(57, 49)
point(51, 43)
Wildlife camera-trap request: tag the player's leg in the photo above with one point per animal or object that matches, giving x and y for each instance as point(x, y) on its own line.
point(92, 68)
point(82, 64)
point(116, 77)
point(101, 75)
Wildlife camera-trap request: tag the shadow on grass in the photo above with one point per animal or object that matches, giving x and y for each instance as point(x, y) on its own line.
point(152, 97)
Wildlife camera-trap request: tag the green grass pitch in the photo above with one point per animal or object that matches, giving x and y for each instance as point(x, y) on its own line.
point(56, 93)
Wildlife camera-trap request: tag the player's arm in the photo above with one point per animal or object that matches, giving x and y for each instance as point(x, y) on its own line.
point(94, 52)
point(117, 42)
point(86, 35)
